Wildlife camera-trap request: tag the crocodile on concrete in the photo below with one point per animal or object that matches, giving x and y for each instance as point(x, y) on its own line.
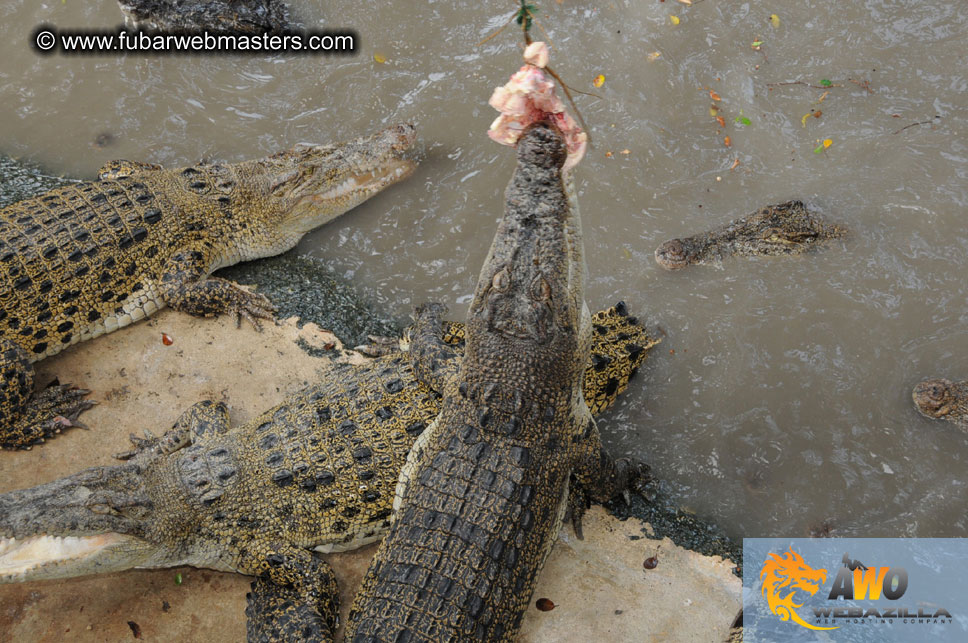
point(89, 258)
point(943, 399)
point(784, 229)
point(485, 489)
point(214, 16)
point(317, 471)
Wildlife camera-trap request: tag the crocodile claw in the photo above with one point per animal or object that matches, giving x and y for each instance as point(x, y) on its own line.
point(379, 346)
point(252, 306)
point(574, 512)
point(49, 413)
point(637, 479)
point(150, 445)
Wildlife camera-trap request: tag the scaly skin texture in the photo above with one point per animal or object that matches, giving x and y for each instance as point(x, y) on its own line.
point(484, 490)
point(784, 229)
point(214, 16)
point(319, 470)
point(89, 258)
point(943, 399)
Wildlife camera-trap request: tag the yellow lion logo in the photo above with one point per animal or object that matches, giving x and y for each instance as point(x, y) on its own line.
point(789, 571)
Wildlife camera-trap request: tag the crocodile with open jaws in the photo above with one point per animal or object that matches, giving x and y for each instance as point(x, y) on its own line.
point(219, 16)
point(88, 258)
point(317, 471)
point(943, 399)
point(784, 229)
point(485, 489)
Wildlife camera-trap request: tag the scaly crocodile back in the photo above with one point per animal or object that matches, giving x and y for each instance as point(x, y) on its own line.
point(85, 259)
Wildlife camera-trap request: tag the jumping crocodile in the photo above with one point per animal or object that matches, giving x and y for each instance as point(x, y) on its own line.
point(485, 489)
point(785, 229)
point(219, 16)
point(317, 471)
point(943, 399)
point(89, 258)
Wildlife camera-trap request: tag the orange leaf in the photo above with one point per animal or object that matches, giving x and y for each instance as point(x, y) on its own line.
point(735, 164)
point(728, 141)
point(714, 95)
point(599, 80)
point(721, 121)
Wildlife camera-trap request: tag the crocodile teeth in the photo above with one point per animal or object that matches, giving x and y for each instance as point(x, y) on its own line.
point(19, 557)
point(372, 179)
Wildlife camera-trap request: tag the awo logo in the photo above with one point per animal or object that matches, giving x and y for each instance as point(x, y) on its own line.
point(784, 576)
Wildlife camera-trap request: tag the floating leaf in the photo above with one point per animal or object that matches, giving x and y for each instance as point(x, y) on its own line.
point(599, 80)
point(714, 95)
point(818, 149)
point(775, 20)
point(721, 121)
point(742, 120)
point(686, 1)
point(728, 141)
point(544, 604)
point(822, 96)
point(166, 339)
point(804, 119)
point(178, 579)
point(380, 58)
point(655, 55)
point(626, 151)
point(713, 110)
point(608, 155)
point(827, 143)
point(817, 114)
point(735, 164)
point(756, 44)
point(674, 19)
point(826, 83)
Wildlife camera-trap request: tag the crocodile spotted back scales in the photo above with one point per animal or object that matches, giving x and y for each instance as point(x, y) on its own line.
point(84, 259)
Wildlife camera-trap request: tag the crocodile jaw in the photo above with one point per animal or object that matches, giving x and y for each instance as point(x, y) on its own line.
point(46, 557)
point(319, 183)
point(313, 210)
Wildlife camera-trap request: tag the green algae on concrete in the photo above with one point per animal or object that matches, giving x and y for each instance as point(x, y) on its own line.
point(301, 286)
point(19, 180)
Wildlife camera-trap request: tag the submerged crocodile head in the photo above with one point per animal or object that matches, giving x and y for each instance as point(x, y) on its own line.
point(529, 295)
point(95, 521)
point(309, 185)
point(784, 228)
point(676, 254)
point(221, 16)
point(942, 399)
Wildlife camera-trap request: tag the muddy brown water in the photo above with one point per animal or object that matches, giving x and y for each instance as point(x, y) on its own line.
point(781, 394)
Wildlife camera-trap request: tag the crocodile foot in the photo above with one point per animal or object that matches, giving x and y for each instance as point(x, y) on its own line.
point(637, 477)
point(150, 445)
point(250, 305)
point(55, 409)
point(379, 346)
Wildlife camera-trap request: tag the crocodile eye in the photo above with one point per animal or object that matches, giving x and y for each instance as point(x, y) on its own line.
point(283, 181)
point(501, 280)
point(540, 289)
point(102, 508)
